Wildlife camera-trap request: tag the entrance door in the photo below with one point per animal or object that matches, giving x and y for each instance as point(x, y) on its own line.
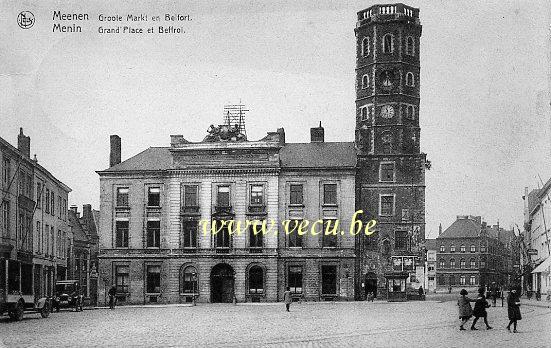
point(371, 284)
point(221, 283)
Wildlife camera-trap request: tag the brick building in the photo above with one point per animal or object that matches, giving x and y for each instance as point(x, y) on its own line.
point(472, 254)
point(390, 178)
point(154, 248)
point(33, 220)
point(82, 258)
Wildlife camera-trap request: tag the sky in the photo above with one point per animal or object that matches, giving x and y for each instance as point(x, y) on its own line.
point(485, 101)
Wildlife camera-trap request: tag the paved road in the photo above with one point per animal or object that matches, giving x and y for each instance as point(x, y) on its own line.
point(351, 324)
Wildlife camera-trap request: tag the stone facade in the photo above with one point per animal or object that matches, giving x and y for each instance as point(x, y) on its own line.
point(33, 219)
point(390, 179)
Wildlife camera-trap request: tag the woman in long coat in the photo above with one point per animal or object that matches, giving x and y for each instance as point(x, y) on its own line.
point(480, 309)
point(465, 309)
point(513, 309)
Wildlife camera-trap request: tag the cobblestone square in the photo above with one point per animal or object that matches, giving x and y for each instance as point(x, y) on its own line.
point(342, 324)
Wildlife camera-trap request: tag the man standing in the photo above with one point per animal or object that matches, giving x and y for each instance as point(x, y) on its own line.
point(112, 292)
point(287, 298)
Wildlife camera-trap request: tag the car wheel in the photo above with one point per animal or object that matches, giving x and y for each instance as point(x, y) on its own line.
point(45, 311)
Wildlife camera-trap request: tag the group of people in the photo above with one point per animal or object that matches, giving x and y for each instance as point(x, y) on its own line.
point(466, 311)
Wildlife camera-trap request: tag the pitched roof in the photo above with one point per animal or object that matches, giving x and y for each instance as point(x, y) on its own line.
point(318, 155)
point(461, 228)
point(78, 232)
point(153, 158)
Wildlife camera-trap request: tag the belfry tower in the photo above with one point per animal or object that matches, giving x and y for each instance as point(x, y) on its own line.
point(390, 178)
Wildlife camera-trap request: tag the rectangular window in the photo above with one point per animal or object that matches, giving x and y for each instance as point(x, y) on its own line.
point(295, 239)
point(257, 195)
point(47, 201)
point(30, 187)
point(295, 279)
point(38, 195)
point(46, 236)
point(386, 172)
point(223, 196)
point(38, 237)
point(121, 234)
point(189, 234)
point(400, 240)
point(52, 203)
point(222, 239)
point(122, 279)
point(154, 197)
point(153, 280)
point(153, 233)
point(329, 240)
point(296, 194)
point(255, 240)
point(6, 171)
point(52, 241)
point(386, 207)
point(122, 197)
point(65, 208)
point(329, 194)
point(60, 207)
point(6, 219)
point(328, 280)
point(190, 196)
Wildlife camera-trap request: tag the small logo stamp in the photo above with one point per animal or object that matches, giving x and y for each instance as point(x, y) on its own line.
point(25, 19)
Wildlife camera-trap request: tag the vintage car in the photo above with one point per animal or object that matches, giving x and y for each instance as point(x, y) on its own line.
point(16, 291)
point(68, 294)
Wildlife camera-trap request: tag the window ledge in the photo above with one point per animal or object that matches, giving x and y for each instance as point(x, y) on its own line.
point(296, 205)
point(330, 205)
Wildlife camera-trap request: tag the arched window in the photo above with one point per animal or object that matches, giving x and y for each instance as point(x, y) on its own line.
point(365, 47)
point(410, 79)
point(482, 263)
point(462, 263)
point(388, 43)
point(482, 248)
point(442, 248)
point(256, 280)
point(452, 263)
point(188, 281)
point(462, 248)
point(462, 280)
point(473, 248)
point(442, 263)
point(365, 81)
point(472, 280)
point(452, 248)
point(410, 46)
point(473, 263)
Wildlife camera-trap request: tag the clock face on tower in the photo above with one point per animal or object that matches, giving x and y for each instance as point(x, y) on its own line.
point(387, 111)
point(387, 79)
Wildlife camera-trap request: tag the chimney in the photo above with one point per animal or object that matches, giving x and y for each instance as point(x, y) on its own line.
point(87, 212)
point(440, 229)
point(24, 143)
point(74, 209)
point(281, 133)
point(317, 134)
point(115, 155)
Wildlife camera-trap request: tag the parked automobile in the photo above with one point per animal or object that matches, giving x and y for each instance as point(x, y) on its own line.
point(68, 294)
point(16, 291)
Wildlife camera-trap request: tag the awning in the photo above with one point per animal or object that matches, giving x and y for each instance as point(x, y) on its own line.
point(544, 266)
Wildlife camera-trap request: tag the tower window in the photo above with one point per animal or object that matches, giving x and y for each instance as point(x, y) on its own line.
point(410, 46)
point(410, 79)
point(365, 81)
point(388, 46)
point(365, 46)
point(410, 111)
point(386, 172)
point(366, 112)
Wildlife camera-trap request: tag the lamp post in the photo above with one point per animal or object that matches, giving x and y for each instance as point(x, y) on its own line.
point(193, 282)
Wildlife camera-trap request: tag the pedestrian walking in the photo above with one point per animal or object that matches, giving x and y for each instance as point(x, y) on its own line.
point(465, 309)
point(112, 292)
point(480, 309)
point(513, 309)
point(287, 298)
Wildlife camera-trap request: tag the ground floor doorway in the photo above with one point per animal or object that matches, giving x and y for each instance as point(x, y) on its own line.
point(222, 279)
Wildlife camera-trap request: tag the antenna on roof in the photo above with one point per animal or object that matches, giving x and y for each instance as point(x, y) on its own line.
point(234, 114)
